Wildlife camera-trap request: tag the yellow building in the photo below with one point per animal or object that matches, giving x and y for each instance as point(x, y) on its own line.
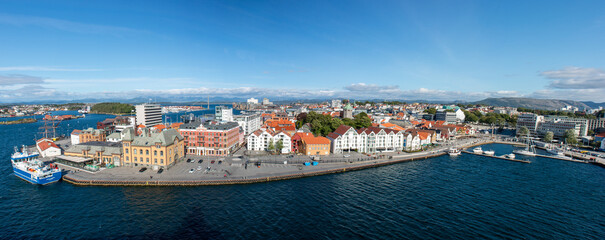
point(315, 145)
point(152, 149)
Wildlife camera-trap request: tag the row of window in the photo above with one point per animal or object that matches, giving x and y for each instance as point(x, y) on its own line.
point(146, 160)
point(155, 152)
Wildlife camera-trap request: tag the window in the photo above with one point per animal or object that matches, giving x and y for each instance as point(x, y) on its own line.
point(161, 153)
point(135, 159)
point(162, 161)
point(127, 159)
point(141, 151)
point(155, 161)
point(155, 153)
point(147, 152)
point(147, 160)
point(126, 150)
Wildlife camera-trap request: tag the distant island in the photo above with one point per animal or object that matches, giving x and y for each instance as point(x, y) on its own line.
point(112, 108)
point(19, 121)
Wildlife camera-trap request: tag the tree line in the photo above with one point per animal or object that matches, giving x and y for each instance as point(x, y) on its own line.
point(322, 125)
point(112, 107)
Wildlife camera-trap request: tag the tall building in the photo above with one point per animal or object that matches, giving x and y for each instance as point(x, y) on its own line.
point(248, 122)
point(223, 114)
point(149, 114)
point(266, 101)
point(347, 111)
point(448, 117)
point(529, 120)
point(210, 138)
point(252, 101)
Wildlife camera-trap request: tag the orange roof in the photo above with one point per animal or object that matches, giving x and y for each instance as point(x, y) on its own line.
point(141, 126)
point(160, 127)
point(315, 140)
point(423, 135)
point(176, 125)
point(392, 126)
point(45, 143)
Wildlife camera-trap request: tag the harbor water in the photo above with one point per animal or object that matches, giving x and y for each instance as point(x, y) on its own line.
point(463, 197)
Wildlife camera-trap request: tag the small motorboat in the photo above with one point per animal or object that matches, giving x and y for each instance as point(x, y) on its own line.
point(489, 152)
point(454, 152)
point(478, 150)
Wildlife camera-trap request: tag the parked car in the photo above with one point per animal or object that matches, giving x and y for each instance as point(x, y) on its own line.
point(200, 161)
point(188, 160)
point(199, 168)
point(212, 162)
point(143, 169)
point(219, 162)
point(160, 170)
point(191, 170)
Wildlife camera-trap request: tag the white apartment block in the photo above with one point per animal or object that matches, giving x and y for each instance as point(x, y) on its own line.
point(260, 139)
point(148, 114)
point(368, 140)
point(223, 114)
point(529, 120)
point(248, 122)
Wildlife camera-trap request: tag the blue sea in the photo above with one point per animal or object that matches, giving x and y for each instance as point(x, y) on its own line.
point(464, 197)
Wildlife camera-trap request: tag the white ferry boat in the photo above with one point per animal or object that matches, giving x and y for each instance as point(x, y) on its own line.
point(28, 167)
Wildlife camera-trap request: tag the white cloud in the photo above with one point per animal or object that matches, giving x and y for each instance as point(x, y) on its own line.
point(17, 79)
point(576, 78)
point(362, 87)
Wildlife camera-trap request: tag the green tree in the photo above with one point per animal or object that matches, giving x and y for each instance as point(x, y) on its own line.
point(590, 132)
point(570, 137)
point(471, 118)
point(362, 120)
point(271, 147)
point(279, 145)
point(431, 110)
point(523, 131)
point(548, 136)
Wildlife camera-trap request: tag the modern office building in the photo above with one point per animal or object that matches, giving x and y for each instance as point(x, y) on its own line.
point(148, 114)
point(448, 117)
point(248, 122)
point(223, 114)
point(529, 120)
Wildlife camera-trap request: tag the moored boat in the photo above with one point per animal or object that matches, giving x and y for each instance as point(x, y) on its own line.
point(454, 152)
point(489, 152)
point(28, 167)
point(478, 150)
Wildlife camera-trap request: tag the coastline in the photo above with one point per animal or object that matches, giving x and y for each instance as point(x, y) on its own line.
point(92, 180)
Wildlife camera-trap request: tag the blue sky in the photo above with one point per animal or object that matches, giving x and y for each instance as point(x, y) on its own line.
point(434, 50)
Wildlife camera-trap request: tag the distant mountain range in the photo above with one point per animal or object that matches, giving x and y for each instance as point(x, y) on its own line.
point(546, 104)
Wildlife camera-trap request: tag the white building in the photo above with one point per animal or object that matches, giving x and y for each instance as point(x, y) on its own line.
point(369, 140)
point(75, 136)
point(529, 120)
point(47, 148)
point(252, 101)
point(248, 122)
point(148, 114)
point(223, 114)
point(119, 127)
point(336, 103)
point(460, 115)
point(260, 140)
point(266, 101)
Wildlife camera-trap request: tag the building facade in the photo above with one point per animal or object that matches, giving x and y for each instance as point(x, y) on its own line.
point(157, 150)
point(223, 114)
point(530, 121)
point(148, 114)
point(315, 145)
point(261, 139)
point(103, 153)
point(248, 122)
point(210, 138)
point(366, 140)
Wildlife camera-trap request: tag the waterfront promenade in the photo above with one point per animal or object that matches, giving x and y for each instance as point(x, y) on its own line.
point(234, 171)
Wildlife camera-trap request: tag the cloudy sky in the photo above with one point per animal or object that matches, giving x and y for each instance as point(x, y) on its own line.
point(432, 50)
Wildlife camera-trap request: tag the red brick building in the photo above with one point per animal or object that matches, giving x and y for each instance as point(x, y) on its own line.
point(211, 138)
